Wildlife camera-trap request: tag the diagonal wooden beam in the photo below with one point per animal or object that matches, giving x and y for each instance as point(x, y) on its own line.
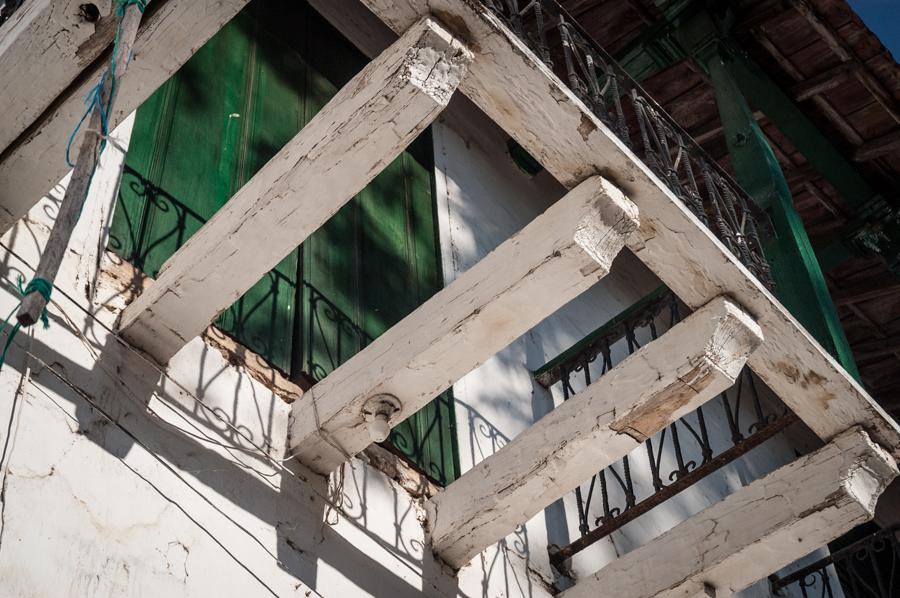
point(523, 96)
point(876, 347)
point(757, 530)
point(52, 38)
point(823, 82)
point(548, 263)
point(170, 33)
point(871, 288)
point(359, 132)
point(690, 364)
point(880, 146)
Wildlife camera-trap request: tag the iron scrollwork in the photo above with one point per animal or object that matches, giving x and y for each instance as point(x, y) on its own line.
point(640, 123)
point(678, 456)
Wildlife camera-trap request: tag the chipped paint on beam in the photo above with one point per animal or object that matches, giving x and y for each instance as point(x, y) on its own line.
point(513, 87)
point(548, 263)
point(359, 132)
point(758, 529)
point(690, 364)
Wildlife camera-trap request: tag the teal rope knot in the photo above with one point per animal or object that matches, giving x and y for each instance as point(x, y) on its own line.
point(38, 285)
point(45, 288)
point(124, 4)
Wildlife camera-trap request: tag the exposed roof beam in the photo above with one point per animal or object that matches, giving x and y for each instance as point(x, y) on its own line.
point(880, 146)
point(511, 85)
point(758, 529)
point(824, 105)
point(361, 130)
point(556, 257)
point(843, 51)
point(170, 34)
point(876, 347)
point(873, 288)
point(666, 379)
point(823, 82)
point(43, 48)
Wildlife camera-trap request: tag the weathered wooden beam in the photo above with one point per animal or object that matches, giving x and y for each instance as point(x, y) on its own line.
point(843, 51)
point(824, 105)
point(513, 87)
point(880, 146)
point(756, 530)
point(43, 48)
point(360, 131)
point(548, 263)
point(823, 82)
point(688, 365)
point(170, 34)
point(877, 347)
point(873, 288)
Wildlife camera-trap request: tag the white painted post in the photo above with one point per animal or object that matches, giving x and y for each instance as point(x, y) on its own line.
point(43, 48)
point(693, 362)
point(535, 272)
point(33, 303)
point(359, 132)
point(759, 529)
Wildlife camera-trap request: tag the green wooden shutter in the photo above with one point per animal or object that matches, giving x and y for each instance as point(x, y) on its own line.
point(205, 133)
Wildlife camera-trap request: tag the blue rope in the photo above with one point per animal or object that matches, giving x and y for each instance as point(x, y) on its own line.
point(94, 96)
point(93, 99)
point(38, 285)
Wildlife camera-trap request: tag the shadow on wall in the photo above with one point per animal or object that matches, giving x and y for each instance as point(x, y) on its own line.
point(122, 403)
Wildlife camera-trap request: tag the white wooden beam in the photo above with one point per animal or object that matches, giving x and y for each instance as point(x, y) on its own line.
point(171, 32)
point(552, 260)
point(757, 530)
point(690, 364)
point(359, 132)
point(43, 48)
point(512, 86)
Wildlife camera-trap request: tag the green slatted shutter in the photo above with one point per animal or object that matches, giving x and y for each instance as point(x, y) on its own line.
point(217, 122)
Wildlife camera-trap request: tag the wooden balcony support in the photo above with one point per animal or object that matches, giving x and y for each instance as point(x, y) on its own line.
point(34, 159)
point(51, 39)
point(359, 132)
point(523, 96)
point(552, 260)
point(690, 364)
point(758, 529)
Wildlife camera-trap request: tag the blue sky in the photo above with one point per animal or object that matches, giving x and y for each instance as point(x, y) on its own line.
point(883, 18)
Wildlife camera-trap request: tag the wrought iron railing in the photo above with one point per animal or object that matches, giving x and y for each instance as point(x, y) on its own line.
point(636, 119)
point(868, 568)
point(677, 457)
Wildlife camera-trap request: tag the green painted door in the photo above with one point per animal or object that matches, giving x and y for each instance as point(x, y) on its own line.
point(209, 129)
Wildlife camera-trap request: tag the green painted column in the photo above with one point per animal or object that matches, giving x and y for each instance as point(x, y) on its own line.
point(800, 284)
point(875, 227)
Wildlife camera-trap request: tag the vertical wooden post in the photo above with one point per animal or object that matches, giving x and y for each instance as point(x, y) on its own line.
point(799, 282)
point(33, 303)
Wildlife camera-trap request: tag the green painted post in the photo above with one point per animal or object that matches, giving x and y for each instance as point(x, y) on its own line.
point(799, 281)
